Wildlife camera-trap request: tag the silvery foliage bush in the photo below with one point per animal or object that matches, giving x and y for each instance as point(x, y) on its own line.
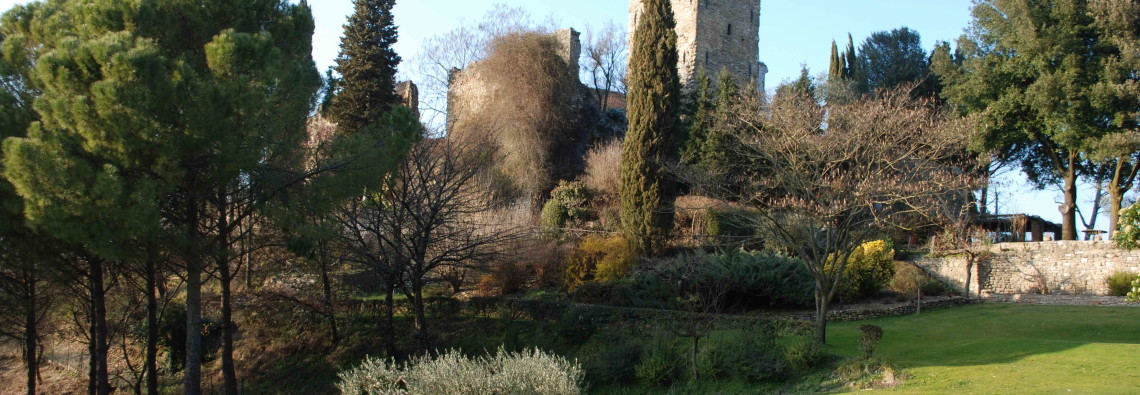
point(526, 372)
point(1134, 296)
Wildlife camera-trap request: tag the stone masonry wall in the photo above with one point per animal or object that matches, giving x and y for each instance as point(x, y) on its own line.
point(1056, 267)
point(714, 35)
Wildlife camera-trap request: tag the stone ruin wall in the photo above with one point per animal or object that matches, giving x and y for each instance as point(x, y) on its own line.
point(715, 35)
point(467, 94)
point(1060, 267)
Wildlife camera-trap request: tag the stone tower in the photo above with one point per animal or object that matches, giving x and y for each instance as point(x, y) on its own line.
point(714, 35)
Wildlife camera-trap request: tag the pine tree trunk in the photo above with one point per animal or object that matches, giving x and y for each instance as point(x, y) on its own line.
point(30, 334)
point(1116, 190)
point(192, 376)
point(1068, 209)
point(99, 324)
point(92, 349)
point(1114, 209)
point(229, 372)
point(151, 327)
point(330, 305)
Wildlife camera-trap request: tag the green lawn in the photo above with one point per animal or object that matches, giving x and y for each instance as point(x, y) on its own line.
point(1009, 349)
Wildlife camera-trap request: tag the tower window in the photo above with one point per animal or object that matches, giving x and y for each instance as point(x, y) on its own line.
point(706, 57)
point(729, 29)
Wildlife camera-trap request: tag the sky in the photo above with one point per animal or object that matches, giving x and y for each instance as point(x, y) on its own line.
point(793, 33)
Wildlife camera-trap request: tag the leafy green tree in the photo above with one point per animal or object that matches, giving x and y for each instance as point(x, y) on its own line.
point(654, 102)
point(1031, 70)
point(367, 66)
point(1118, 22)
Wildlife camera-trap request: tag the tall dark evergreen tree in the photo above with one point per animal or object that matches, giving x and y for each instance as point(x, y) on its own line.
point(700, 118)
point(838, 65)
point(367, 65)
point(654, 102)
point(888, 59)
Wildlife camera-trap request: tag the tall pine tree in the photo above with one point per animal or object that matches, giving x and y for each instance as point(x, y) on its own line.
point(654, 103)
point(367, 65)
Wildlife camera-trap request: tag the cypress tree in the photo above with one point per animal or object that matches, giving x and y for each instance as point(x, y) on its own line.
point(654, 102)
point(367, 65)
point(701, 119)
point(837, 64)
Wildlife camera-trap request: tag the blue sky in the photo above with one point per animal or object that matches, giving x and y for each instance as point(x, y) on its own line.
point(792, 33)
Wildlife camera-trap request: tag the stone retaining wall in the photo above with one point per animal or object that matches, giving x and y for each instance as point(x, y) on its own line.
point(871, 311)
point(1056, 267)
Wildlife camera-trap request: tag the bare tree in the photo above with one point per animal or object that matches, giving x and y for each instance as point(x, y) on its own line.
point(427, 219)
point(701, 295)
point(456, 49)
point(605, 53)
point(826, 184)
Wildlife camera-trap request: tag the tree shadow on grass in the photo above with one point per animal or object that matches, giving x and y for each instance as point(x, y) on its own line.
point(990, 333)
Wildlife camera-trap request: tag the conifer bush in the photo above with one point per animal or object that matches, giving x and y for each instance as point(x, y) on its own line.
point(869, 269)
point(568, 201)
point(598, 258)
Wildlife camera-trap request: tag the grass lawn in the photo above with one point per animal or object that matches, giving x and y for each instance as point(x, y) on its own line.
point(1009, 349)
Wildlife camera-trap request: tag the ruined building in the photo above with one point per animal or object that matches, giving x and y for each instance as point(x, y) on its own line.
point(715, 35)
point(501, 101)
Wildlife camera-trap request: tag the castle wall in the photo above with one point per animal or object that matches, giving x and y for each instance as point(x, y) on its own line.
point(715, 35)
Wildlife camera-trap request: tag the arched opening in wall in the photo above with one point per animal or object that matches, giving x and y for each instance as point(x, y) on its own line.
point(729, 29)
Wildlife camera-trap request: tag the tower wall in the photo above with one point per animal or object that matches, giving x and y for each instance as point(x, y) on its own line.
point(715, 35)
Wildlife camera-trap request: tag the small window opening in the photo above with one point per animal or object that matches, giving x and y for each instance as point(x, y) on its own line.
point(729, 29)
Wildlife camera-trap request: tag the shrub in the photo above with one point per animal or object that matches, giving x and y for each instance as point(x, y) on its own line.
point(529, 371)
point(909, 278)
point(603, 168)
point(610, 359)
point(1127, 235)
point(598, 258)
point(1134, 296)
point(659, 364)
point(860, 374)
point(443, 306)
point(754, 357)
point(712, 362)
point(1120, 283)
point(869, 269)
point(870, 339)
point(568, 201)
point(755, 278)
point(801, 355)
point(731, 222)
